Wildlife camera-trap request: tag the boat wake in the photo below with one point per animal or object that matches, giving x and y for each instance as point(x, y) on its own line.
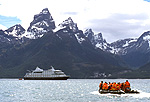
point(140, 95)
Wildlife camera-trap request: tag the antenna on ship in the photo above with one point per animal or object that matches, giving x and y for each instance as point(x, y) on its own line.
point(28, 70)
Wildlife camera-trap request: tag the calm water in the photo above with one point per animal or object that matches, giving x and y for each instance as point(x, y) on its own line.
point(72, 90)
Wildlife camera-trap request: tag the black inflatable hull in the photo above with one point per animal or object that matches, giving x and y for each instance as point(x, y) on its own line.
point(110, 91)
point(46, 78)
point(117, 92)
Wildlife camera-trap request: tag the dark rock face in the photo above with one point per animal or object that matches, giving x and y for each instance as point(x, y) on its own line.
point(97, 40)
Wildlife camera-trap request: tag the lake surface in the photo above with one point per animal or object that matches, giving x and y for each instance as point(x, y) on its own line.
point(71, 90)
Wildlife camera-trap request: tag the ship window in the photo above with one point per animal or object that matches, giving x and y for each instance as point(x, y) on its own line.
point(37, 72)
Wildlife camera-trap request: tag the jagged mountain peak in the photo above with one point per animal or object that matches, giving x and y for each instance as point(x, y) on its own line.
point(145, 36)
point(42, 23)
point(89, 33)
point(68, 23)
point(94, 38)
point(99, 37)
point(97, 40)
point(16, 31)
point(43, 15)
point(45, 11)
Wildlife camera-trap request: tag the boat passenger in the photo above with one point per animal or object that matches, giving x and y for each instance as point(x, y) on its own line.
point(101, 85)
point(127, 86)
point(109, 86)
point(113, 86)
point(118, 86)
point(123, 86)
point(105, 86)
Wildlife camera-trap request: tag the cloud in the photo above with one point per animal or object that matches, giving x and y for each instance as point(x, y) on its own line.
point(119, 26)
point(2, 27)
point(116, 19)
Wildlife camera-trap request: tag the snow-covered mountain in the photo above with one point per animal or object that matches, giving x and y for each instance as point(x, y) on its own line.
point(16, 31)
point(70, 44)
point(120, 47)
point(68, 24)
point(126, 46)
point(143, 42)
point(13, 35)
point(97, 40)
point(135, 52)
point(42, 23)
point(70, 28)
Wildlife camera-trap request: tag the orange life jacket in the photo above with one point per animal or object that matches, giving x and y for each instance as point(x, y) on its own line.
point(110, 84)
point(117, 87)
point(105, 86)
point(127, 84)
point(113, 86)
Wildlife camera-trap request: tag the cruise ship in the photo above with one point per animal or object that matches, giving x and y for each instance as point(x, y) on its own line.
point(50, 74)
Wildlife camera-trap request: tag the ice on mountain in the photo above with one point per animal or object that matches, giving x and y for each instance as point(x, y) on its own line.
point(45, 11)
point(68, 23)
point(32, 35)
point(126, 44)
point(58, 28)
point(16, 31)
point(146, 38)
point(79, 39)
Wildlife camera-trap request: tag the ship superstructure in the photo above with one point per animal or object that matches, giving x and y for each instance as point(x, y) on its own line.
point(50, 74)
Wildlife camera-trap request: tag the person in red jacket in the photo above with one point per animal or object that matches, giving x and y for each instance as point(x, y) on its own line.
point(127, 86)
point(101, 85)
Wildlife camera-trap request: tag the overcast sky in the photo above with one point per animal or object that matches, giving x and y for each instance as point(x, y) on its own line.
point(115, 19)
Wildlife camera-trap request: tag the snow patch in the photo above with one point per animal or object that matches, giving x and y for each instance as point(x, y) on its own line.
point(32, 35)
point(146, 38)
point(69, 23)
point(99, 45)
point(79, 39)
point(58, 28)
